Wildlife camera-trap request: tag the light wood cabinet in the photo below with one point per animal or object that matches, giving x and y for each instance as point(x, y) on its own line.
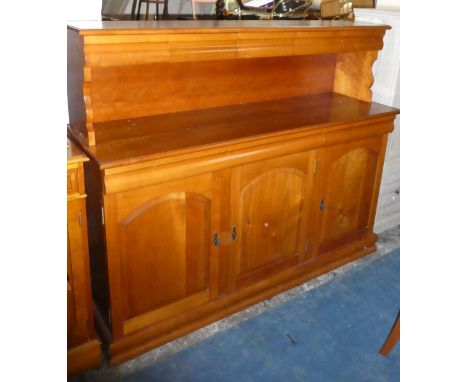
point(83, 347)
point(209, 192)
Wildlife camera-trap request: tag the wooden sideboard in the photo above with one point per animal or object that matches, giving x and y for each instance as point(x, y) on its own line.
point(229, 161)
point(84, 350)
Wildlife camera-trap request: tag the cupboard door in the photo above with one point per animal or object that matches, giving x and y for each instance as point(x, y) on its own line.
point(77, 282)
point(161, 245)
point(348, 192)
point(269, 206)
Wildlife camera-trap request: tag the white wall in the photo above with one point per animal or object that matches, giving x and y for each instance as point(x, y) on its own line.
point(388, 3)
point(84, 9)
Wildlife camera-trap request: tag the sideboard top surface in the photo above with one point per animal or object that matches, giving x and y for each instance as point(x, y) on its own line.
point(213, 26)
point(134, 140)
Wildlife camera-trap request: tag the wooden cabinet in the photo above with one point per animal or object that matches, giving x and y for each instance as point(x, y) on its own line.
point(224, 167)
point(83, 349)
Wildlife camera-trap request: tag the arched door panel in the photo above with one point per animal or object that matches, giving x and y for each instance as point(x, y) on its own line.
point(347, 192)
point(269, 212)
point(163, 261)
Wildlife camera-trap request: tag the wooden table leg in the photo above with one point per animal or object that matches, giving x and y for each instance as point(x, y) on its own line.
point(393, 338)
point(165, 10)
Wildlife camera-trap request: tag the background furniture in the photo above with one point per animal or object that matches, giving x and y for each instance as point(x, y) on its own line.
point(193, 2)
point(336, 9)
point(386, 90)
point(392, 339)
point(83, 348)
point(213, 191)
point(364, 3)
point(287, 9)
point(115, 9)
point(156, 3)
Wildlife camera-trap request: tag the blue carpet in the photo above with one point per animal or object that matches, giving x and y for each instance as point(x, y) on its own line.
point(331, 333)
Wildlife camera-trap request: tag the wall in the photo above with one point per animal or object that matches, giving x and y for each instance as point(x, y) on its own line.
point(386, 90)
point(388, 3)
point(84, 9)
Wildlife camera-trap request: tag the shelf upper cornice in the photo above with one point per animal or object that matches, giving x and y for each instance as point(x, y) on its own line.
point(214, 26)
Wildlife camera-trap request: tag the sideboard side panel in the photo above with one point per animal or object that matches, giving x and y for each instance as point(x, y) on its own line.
point(353, 74)
point(80, 119)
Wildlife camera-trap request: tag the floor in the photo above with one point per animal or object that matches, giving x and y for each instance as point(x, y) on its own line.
point(328, 329)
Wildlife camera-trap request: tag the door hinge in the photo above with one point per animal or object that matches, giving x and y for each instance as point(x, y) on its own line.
point(315, 166)
point(80, 222)
point(234, 233)
point(102, 215)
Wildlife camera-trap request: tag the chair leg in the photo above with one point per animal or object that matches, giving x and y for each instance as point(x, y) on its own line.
point(134, 3)
point(165, 10)
point(181, 4)
point(147, 10)
point(139, 9)
point(393, 338)
point(193, 10)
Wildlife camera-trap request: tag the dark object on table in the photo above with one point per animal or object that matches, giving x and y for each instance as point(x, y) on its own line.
point(279, 9)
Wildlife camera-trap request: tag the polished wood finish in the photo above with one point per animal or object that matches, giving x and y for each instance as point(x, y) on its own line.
point(112, 84)
point(83, 348)
point(268, 218)
point(185, 135)
point(392, 339)
point(227, 165)
point(347, 190)
point(352, 77)
point(83, 357)
point(163, 237)
point(140, 96)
